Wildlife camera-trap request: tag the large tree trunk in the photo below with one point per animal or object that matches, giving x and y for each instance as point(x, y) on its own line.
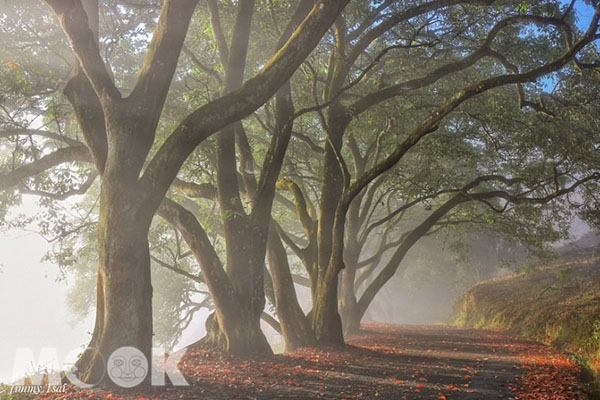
point(245, 258)
point(326, 322)
point(244, 243)
point(326, 318)
point(241, 326)
point(236, 332)
point(124, 302)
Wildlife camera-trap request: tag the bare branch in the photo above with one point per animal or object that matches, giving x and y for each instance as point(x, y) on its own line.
point(301, 253)
point(177, 270)
point(484, 50)
point(273, 323)
point(301, 280)
point(405, 15)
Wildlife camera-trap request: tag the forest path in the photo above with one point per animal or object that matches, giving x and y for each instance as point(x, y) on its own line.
point(463, 363)
point(383, 361)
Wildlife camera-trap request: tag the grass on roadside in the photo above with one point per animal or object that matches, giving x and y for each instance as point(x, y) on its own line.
point(558, 305)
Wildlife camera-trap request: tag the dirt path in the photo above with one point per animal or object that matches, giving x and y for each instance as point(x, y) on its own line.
point(474, 364)
point(387, 362)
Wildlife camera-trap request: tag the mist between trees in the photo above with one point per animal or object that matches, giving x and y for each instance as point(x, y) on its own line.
point(278, 160)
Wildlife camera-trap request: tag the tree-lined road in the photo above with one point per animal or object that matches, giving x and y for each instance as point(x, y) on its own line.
point(383, 361)
point(296, 143)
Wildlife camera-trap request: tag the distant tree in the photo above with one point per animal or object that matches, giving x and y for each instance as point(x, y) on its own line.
point(458, 55)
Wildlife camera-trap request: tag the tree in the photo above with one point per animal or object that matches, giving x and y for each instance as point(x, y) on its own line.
point(324, 255)
point(120, 132)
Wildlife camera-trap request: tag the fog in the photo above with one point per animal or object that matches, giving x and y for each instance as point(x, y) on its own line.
point(33, 309)
point(35, 314)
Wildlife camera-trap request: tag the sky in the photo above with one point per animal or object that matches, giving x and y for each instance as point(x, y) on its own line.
point(584, 13)
point(33, 307)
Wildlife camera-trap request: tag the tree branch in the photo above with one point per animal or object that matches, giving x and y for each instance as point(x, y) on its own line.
point(273, 323)
point(195, 190)
point(154, 79)
point(41, 133)
point(405, 15)
point(302, 211)
point(179, 271)
point(217, 31)
point(484, 50)
point(74, 21)
point(210, 118)
point(212, 270)
point(65, 195)
point(60, 156)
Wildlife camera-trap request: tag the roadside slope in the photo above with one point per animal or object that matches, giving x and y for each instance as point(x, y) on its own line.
point(558, 305)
